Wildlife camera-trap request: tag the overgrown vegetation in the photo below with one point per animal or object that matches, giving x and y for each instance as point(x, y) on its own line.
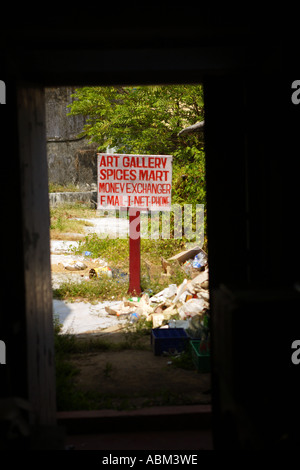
point(116, 253)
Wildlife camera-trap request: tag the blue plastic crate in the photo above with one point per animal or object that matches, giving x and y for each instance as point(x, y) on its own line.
point(169, 340)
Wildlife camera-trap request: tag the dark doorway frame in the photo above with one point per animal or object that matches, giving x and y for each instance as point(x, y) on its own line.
point(235, 77)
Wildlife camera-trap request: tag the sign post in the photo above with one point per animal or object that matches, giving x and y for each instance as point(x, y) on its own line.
point(137, 183)
point(134, 252)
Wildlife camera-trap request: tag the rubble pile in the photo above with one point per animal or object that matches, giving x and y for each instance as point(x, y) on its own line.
point(186, 305)
point(177, 306)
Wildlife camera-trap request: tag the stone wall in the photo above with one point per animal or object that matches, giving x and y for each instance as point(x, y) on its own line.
point(70, 159)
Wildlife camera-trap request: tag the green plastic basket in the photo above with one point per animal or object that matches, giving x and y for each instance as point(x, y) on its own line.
point(200, 360)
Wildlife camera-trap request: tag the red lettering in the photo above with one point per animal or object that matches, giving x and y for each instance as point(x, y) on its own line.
point(159, 175)
point(157, 162)
point(117, 173)
point(151, 162)
point(102, 161)
point(109, 160)
point(102, 174)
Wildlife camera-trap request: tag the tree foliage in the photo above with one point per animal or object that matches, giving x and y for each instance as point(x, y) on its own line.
point(147, 120)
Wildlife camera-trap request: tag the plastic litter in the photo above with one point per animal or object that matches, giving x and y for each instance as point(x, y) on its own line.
point(187, 266)
point(157, 319)
point(199, 327)
point(134, 299)
point(165, 294)
point(191, 307)
point(100, 272)
point(134, 317)
point(178, 324)
point(180, 291)
point(200, 260)
point(76, 266)
point(88, 254)
point(119, 275)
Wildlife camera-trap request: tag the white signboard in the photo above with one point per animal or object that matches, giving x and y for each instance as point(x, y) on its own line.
point(140, 181)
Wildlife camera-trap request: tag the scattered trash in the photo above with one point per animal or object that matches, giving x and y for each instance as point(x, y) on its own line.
point(192, 261)
point(139, 306)
point(100, 272)
point(76, 266)
point(119, 310)
point(88, 254)
point(187, 267)
point(119, 275)
point(200, 260)
point(199, 326)
point(166, 293)
point(191, 307)
point(183, 307)
point(186, 255)
point(180, 291)
point(134, 317)
point(178, 324)
point(157, 319)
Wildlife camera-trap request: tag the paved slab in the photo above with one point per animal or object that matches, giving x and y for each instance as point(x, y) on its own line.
point(83, 317)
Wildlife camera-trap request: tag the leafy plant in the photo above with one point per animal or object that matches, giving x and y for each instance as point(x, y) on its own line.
point(148, 120)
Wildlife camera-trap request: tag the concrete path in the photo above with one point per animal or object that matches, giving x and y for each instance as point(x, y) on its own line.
point(79, 317)
point(83, 317)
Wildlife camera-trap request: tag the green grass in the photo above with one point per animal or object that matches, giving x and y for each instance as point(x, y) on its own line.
point(102, 289)
point(116, 253)
point(62, 219)
point(118, 247)
point(92, 290)
point(60, 188)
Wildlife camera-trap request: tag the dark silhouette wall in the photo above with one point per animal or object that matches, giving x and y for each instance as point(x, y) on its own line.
point(251, 142)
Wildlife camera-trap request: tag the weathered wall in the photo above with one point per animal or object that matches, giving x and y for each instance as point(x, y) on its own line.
point(70, 159)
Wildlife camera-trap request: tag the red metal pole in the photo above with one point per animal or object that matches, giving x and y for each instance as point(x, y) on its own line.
point(134, 252)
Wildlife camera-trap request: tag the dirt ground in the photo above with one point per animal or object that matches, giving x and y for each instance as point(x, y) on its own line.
point(138, 378)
